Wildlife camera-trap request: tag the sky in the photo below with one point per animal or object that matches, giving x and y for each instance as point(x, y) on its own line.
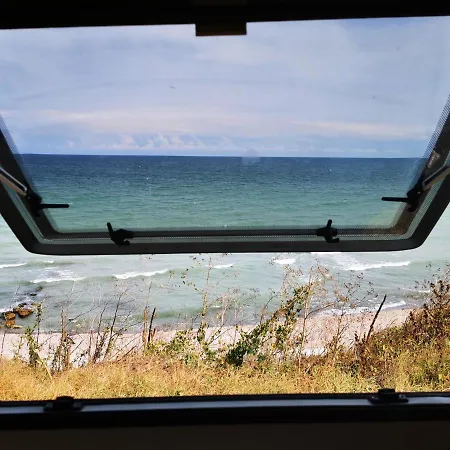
point(357, 88)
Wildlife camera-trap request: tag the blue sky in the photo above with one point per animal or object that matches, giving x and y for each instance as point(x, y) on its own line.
point(332, 88)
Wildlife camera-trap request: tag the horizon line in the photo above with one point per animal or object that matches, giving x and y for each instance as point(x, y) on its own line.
point(220, 156)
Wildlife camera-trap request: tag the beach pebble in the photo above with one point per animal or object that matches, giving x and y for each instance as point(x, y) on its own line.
point(9, 315)
point(23, 312)
point(10, 323)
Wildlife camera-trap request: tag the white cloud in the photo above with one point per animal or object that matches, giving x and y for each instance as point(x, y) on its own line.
point(151, 87)
point(214, 122)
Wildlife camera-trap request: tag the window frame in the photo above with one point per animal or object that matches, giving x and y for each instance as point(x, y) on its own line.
point(411, 229)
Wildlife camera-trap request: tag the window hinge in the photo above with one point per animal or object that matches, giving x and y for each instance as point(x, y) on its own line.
point(387, 396)
point(63, 404)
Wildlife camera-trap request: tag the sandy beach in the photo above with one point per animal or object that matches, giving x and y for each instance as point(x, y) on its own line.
point(319, 330)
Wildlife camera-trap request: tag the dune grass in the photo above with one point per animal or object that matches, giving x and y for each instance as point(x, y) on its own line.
point(150, 376)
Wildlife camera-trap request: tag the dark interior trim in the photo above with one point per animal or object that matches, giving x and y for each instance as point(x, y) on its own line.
point(47, 14)
point(252, 409)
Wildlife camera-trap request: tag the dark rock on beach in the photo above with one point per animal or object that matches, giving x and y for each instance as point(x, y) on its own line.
point(23, 311)
point(9, 315)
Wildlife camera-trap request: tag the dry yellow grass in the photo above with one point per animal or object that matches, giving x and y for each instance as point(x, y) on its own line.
point(154, 376)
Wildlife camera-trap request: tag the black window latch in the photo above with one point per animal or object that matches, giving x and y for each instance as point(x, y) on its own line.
point(329, 233)
point(121, 236)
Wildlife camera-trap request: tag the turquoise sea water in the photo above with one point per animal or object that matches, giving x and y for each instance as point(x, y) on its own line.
point(137, 192)
point(164, 191)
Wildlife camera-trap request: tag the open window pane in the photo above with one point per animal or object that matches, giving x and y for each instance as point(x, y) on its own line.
point(256, 138)
point(149, 192)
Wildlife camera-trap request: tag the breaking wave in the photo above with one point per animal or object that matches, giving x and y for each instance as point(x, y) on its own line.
point(127, 275)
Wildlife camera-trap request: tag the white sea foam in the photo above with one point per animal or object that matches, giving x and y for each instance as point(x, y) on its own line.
point(376, 265)
point(7, 266)
point(24, 301)
point(223, 266)
point(398, 304)
point(29, 263)
point(416, 291)
point(285, 261)
point(56, 279)
point(55, 276)
point(364, 309)
point(127, 275)
point(349, 262)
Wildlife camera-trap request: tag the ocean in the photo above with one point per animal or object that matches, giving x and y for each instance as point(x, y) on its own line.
point(147, 191)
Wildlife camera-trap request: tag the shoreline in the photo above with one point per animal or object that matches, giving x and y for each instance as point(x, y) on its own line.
point(319, 331)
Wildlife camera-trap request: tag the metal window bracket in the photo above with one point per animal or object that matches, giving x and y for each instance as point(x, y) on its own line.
point(34, 200)
point(413, 195)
